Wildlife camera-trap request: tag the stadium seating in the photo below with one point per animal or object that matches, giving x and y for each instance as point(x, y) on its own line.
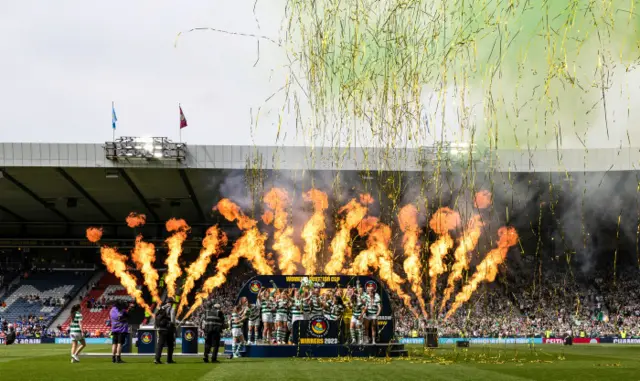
point(107, 290)
point(42, 295)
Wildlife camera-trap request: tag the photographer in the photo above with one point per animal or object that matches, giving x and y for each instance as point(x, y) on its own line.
point(119, 316)
point(165, 323)
point(213, 325)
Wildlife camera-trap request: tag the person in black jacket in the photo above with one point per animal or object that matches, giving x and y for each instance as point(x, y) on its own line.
point(165, 323)
point(213, 325)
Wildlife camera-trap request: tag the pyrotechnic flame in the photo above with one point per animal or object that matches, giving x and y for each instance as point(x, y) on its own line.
point(366, 199)
point(340, 245)
point(366, 225)
point(378, 257)
point(94, 234)
point(117, 264)
point(249, 246)
point(289, 254)
point(232, 212)
point(488, 268)
point(482, 199)
point(443, 220)
point(211, 245)
point(314, 229)
point(408, 219)
point(134, 220)
point(180, 227)
point(468, 243)
point(267, 217)
point(144, 255)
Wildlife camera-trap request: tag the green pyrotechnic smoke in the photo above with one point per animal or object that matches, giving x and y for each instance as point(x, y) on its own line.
point(509, 73)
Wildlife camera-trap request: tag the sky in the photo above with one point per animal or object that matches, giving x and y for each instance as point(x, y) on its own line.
point(65, 61)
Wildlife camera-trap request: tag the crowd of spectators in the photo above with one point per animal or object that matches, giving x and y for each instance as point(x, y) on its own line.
point(550, 304)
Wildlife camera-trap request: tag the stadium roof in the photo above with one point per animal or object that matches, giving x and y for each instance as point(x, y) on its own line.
point(53, 190)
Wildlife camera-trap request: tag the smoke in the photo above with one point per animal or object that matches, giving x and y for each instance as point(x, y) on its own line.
point(235, 187)
point(598, 214)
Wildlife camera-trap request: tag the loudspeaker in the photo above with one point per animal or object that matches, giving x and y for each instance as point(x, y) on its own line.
point(462, 344)
point(431, 341)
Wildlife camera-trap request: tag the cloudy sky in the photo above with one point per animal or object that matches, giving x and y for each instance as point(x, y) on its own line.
point(65, 61)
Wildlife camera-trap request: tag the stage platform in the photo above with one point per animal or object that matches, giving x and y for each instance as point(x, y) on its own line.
point(329, 350)
point(135, 354)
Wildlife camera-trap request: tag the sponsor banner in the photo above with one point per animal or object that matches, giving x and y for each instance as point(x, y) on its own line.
point(492, 340)
point(23, 341)
point(586, 340)
point(89, 340)
point(553, 340)
point(412, 340)
point(624, 341)
point(475, 340)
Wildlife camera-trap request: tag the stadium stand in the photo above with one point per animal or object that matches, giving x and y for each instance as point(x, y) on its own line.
point(95, 305)
point(42, 295)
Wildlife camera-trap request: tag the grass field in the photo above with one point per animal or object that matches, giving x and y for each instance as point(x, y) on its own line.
point(489, 362)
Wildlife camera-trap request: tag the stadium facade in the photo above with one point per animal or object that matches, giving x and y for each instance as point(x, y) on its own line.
point(49, 191)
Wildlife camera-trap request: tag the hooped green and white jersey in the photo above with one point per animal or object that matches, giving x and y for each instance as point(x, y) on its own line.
point(316, 305)
point(282, 306)
point(336, 312)
point(328, 306)
point(265, 306)
point(296, 307)
point(306, 306)
point(74, 327)
point(235, 320)
point(357, 307)
point(254, 312)
point(372, 304)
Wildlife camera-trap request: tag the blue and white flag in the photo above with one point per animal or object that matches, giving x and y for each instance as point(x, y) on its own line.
point(114, 118)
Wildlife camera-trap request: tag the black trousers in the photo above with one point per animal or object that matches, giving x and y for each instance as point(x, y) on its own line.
point(212, 341)
point(166, 338)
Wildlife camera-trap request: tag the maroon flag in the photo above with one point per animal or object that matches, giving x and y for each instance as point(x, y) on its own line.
point(183, 120)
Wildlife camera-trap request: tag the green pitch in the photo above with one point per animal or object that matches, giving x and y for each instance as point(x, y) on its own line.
point(494, 362)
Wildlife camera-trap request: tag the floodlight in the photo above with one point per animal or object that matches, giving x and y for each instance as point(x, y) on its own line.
point(147, 148)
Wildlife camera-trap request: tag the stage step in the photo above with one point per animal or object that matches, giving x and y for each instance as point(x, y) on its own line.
point(369, 350)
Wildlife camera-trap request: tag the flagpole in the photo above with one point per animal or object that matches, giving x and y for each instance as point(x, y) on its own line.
point(113, 139)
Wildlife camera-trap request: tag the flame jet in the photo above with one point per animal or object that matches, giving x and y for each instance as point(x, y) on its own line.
point(377, 256)
point(314, 230)
point(180, 229)
point(144, 255)
point(117, 264)
point(340, 245)
point(211, 245)
point(250, 246)
point(487, 270)
point(408, 219)
point(277, 199)
point(442, 221)
point(468, 243)
point(135, 219)
point(94, 234)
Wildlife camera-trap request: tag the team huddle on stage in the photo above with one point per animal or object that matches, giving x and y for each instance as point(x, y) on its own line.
point(277, 309)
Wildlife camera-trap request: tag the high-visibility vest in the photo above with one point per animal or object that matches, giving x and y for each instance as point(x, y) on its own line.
point(582, 334)
point(623, 334)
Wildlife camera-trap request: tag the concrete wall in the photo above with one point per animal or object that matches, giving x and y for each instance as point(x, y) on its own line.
point(306, 158)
